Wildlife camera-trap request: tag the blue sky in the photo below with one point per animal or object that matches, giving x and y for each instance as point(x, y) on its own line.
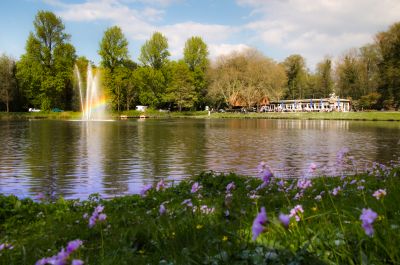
point(278, 28)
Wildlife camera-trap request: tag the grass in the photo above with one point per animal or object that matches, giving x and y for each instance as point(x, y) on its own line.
point(217, 228)
point(367, 116)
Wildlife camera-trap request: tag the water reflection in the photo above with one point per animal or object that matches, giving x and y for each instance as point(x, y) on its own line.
point(75, 159)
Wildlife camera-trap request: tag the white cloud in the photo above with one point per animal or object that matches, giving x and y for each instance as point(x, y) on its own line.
point(139, 25)
point(318, 28)
point(225, 49)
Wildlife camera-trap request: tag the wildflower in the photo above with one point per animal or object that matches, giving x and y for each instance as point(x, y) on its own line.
point(258, 223)
point(313, 167)
point(77, 262)
point(73, 245)
point(97, 215)
point(224, 238)
point(296, 212)
point(360, 187)
point(353, 181)
point(284, 219)
point(187, 202)
point(304, 184)
point(318, 198)
point(63, 256)
point(195, 187)
point(230, 187)
point(162, 209)
point(199, 226)
point(6, 246)
point(264, 172)
point(368, 217)
point(160, 185)
point(379, 194)
point(336, 191)
point(145, 189)
point(206, 210)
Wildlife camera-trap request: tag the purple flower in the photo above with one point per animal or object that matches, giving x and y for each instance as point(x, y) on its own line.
point(379, 194)
point(258, 223)
point(6, 246)
point(97, 215)
point(304, 184)
point(284, 219)
point(195, 187)
point(313, 167)
point(368, 217)
point(296, 212)
point(160, 185)
point(264, 172)
point(145, 189)
point(187, 202)
point(73, 245)
point(162, 209)
point(230, 187)
point(336, 191)
point(77, 262)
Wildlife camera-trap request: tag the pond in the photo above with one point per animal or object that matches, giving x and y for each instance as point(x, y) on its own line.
point(75, 158)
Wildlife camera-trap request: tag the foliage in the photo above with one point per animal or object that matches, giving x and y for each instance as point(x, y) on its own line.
point(113, 48)
point(8, 84)
point(295, 67)
point(154, 52)
point(45, 70)
point(389, 66)
point(202, 221)
point(324, 76)
point(245, 78)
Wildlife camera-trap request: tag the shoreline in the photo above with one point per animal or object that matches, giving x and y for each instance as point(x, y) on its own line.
point(154, 114)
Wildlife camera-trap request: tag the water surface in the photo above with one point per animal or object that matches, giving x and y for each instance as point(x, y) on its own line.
point(75, 158)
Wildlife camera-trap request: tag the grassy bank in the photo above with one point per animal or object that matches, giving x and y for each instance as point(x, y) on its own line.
point(210, 219)
point(367, 116)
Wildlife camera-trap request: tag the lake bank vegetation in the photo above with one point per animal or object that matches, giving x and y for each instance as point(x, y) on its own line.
point(157, 114)
point(216, 219)
point(43, 77)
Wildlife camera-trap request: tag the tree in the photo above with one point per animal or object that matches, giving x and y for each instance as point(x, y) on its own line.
point(154, 52)
point(7, 80)
point(113, 48)
point(295, 67)
point(151, 84)
point(324, 79)
point(180, 90)
point(44, 71)
point(389, 65)
point(196, 57)
point(245, 78)
point(348, 76)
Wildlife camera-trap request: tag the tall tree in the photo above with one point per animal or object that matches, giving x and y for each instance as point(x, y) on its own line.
point(113, 48)
point(195, 55)
point(180, 90)
point(154, 52)
point(8, 82)
point(324, 79)
point(295, 67)
point(348, 76)
point(389, 66)
point(245, 78)
point(44, 71)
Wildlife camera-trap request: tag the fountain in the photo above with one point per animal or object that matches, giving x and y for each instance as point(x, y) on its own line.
point(92, 100)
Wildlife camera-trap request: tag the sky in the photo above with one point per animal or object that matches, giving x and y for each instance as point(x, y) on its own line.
point(314, 29)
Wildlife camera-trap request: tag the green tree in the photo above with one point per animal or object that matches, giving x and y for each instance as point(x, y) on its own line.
point(180, 90)
point(295, 68)
point(113, 48)
point(44, 71)
point(389, 65)
point(196, 57)
point(8, 84)
point(348, 76)
point(154, 52)
point(151, 84)
point(324, 79)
